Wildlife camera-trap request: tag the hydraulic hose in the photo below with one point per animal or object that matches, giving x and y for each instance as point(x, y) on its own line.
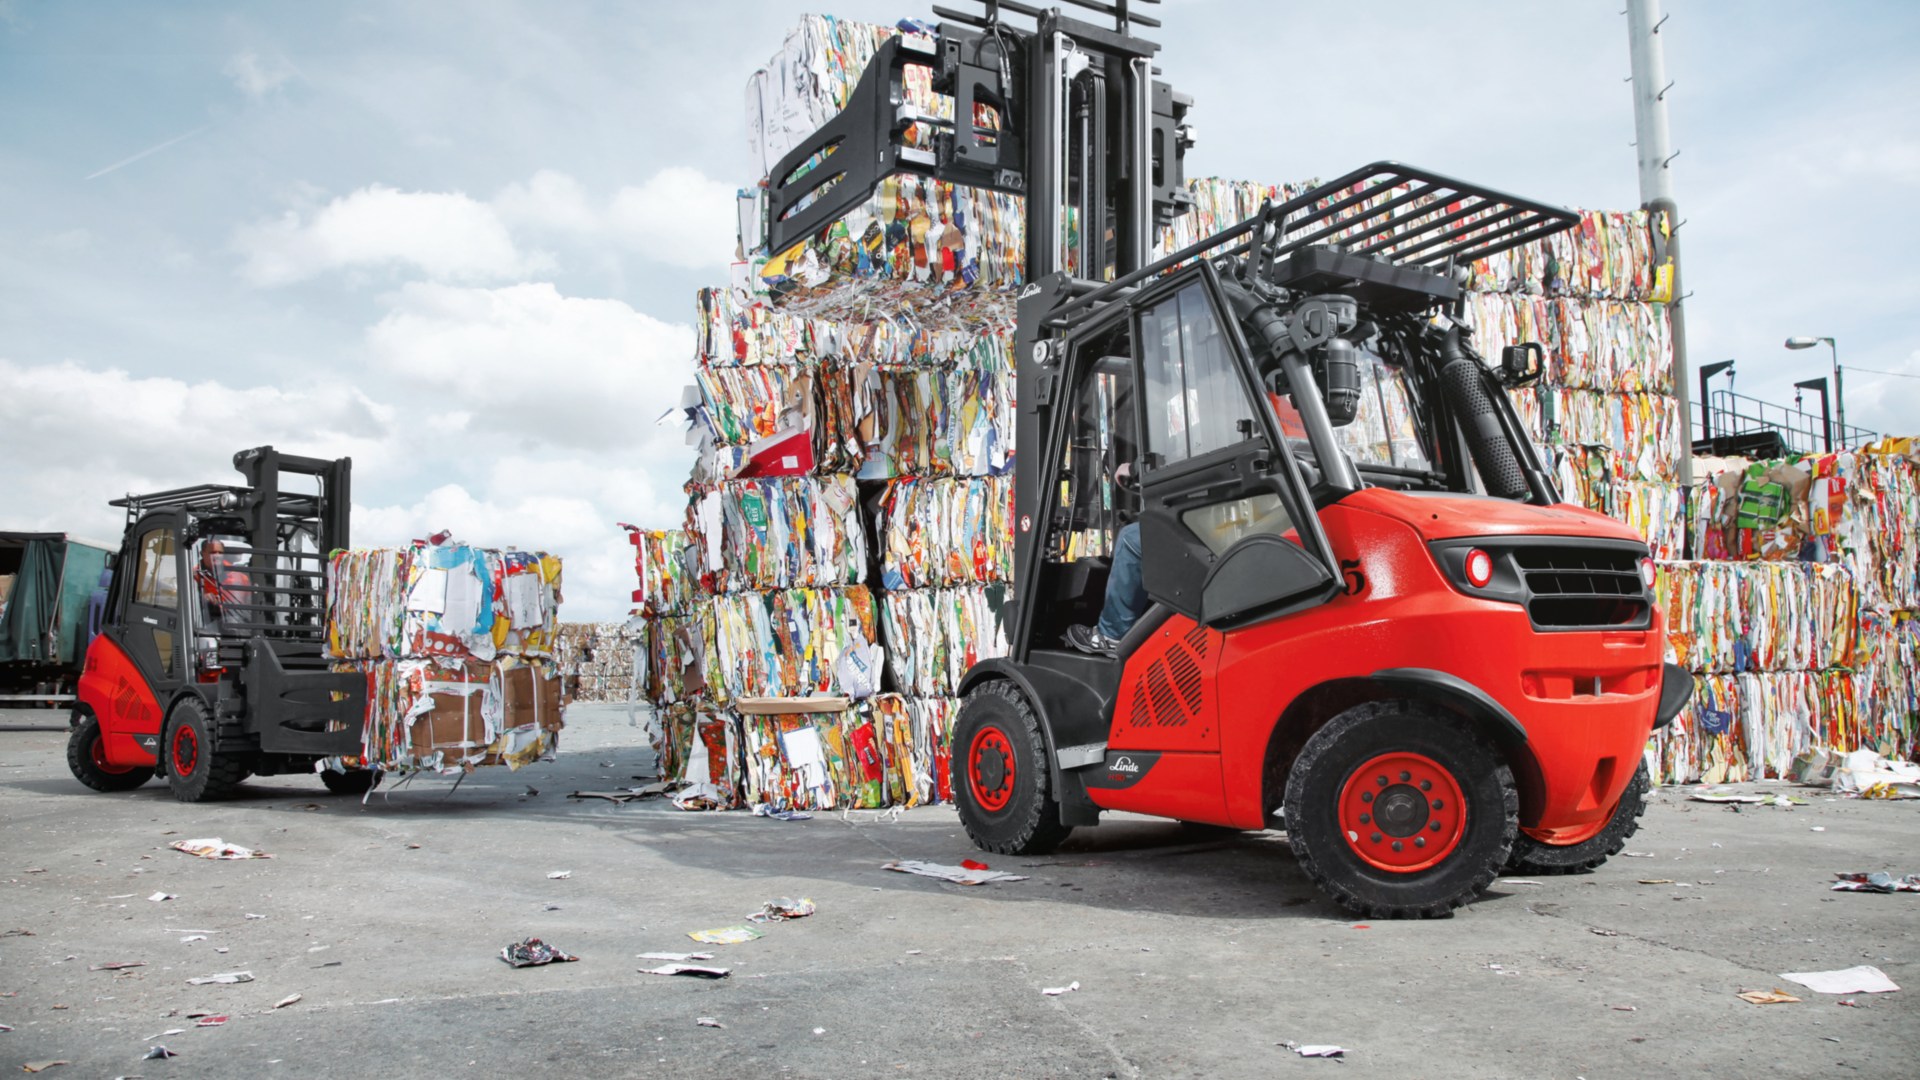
point(1463, 379)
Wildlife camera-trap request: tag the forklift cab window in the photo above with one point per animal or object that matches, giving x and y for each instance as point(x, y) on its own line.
point(1385, 432)
point(1094, 502)
point(1195, 401)
point(155, 581)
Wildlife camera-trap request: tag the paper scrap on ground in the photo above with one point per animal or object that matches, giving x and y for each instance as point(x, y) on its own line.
point(676, 957)
point(784, 908)
point(1725, 797)
point(708, 1021)
point(159, 1053)
point(212, 1021)
point(1318, 1050)
point(959, 875)
point(1056, 991)
point(159, 896)
point(687, 969)
point(1767, 997)
point(216, 848)
point(286, 1001)
point(559, 875)
point(533, 952)
point(766, 810)
point(725, 935)
point(226, 978)
point(118, 965)
point(42, 1066)
point(1860, 979)
point(1878, 881)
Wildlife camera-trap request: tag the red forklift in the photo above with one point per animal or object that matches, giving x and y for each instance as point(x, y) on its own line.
point(1373, 622)
point(210, 665)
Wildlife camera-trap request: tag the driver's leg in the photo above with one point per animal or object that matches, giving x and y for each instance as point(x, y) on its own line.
point(1126, 590)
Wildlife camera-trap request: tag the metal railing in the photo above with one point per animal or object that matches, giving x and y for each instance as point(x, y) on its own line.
point(1737, 419)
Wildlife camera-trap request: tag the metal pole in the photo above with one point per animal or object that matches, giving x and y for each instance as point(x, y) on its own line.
point(1839, 393)
point(1650, 87)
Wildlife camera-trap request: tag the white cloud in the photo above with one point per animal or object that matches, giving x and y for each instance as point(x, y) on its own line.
point(447, 236)
point(530, 366)
point(678, 216)
point(551, 201)
point(257, 76)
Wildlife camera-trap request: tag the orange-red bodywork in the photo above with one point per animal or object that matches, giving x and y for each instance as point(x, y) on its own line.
point(113, 688)
point(1208, 702)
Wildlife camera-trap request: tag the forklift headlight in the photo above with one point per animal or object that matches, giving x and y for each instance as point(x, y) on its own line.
point(1647, 573)
point(1479, 568)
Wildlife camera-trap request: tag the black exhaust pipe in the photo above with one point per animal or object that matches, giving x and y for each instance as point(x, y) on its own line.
point(1469, 391)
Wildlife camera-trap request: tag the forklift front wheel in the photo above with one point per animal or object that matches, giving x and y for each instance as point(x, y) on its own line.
point(195, 771)
point(1003, 791)
point(1399, 809)
point(88, 760)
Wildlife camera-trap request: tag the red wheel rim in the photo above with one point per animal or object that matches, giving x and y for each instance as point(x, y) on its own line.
point(1402, 812)
point(990, 769)
point(186, 750)
point(98, 752)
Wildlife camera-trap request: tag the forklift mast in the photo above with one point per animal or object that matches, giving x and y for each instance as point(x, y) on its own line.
point(1065, 113)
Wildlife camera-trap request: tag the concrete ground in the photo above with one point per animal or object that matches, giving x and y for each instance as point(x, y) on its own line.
point(1192, 959)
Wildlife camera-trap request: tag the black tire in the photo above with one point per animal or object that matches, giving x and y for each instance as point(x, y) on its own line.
point(1531, 856)
point(356, 782)
point(1470, 831)
point(90, 766)
point(194, 771)
point(1001, 785)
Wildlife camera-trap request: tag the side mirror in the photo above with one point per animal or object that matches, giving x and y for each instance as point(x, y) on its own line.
point(1523, 364)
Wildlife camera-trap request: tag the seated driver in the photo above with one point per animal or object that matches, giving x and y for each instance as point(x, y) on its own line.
point(1126, 599)
point(220, 583)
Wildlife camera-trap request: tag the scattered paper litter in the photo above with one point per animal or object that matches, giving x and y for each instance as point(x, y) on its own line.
point(784, 908)
point(286, 1001)
point(1878, 881)
point(158, 1053)
point(118, 965)
point(533, 952)
point(212, 1021)
point(1724, 796)
point(959, 875)
point(766, 810)
point(193, 937)
point(694, 970)
point(1767, 997)
point(1056, 991)
point(227, 978)
point(166, 1033)
point(1515, 881)
point(559, 875)
point(1314, 1050)
point(216, 848)
point(159, 896)
point(675, 957)
point(725, 935)
point(251, 915)
point(708, 1021)
point(42, 1066)
point(1860, 979)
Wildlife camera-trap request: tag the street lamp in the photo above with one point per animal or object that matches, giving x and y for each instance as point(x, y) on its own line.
point(1839, 388)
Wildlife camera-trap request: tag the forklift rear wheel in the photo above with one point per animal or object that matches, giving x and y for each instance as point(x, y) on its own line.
point(1002, 794)
point(1399, 809)
point(88, 760)
point(194, 771)
point(356, 782)
point(1531, 856)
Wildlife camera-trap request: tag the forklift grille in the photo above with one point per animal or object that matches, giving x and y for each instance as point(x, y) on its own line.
point(1578, 587)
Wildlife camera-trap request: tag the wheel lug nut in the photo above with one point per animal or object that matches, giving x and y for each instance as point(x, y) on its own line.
point(1366, 796)
point(1437, 805)
point(1396, 845)
point(1366, 818)
point(1405, 776)
point(1426, 785)
point(1376, 838)
point(1419, 841)
point(1381, 780)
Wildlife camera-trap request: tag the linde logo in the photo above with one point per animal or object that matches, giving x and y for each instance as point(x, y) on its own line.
point(1123, 764)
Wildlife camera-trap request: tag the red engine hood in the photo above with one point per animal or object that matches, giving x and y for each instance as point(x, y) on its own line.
point(1445, 517)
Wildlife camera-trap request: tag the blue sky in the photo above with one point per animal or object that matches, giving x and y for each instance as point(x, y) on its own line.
point(460, 241)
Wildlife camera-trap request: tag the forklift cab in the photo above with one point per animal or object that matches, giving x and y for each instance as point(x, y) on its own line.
point(1161, 388)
